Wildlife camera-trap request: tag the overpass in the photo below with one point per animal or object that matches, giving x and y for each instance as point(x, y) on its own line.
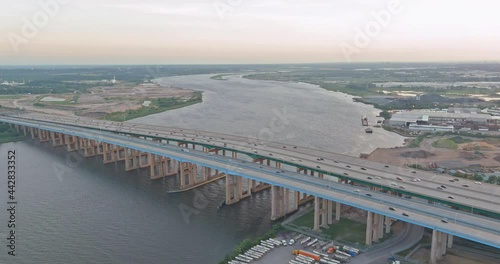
point(460, 223)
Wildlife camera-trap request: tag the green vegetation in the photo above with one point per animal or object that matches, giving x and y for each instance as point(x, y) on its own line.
point(444, 143)
point(157, 106)
point(342, 230)
point(249, 243)
point(460, 140)
point(385, 114)
point(415, 143)
point(8, 134)
point(493, 179)
point(219, 77)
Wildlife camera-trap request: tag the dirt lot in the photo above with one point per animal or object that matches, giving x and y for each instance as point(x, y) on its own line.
point(483, 152)
point(454, 257)
point(99, 101)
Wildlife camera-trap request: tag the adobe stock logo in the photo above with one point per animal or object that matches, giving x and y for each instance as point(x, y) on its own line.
point(363, 37)
point(39, 20)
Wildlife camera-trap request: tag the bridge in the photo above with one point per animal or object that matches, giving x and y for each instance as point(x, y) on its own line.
point(294, 174)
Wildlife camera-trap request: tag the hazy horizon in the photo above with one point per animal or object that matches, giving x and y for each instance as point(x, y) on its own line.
point(74, 32)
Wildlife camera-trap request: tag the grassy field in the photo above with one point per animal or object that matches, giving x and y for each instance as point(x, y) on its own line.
point(219, 77)
point(8, 134)
point(444, 143)
point(343, 230)
point(157, 106)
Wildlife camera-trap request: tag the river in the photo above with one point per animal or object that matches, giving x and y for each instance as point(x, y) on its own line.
point(75, 210)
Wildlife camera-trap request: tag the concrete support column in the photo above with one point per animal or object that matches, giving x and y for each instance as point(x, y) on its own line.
point(388, 223)
point(57, 139)
point(71, 143)
point(450, 241)
point(109, 154)
point(131, 162)
point(232, 189)
point(369, 229)
point(320, 213)
point(375, 228)
point(438, 246)
point(156, 165)
point(43, 136)
point(277, 202)
point(444, 239)
point(329, 214)
point(380, 231)
point(188, 174)
point(434, 247)
point(33, 132)
point(89, 148)
point(337, 211)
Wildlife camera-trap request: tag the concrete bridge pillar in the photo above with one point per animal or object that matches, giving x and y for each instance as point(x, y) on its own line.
point(109, 154)
point(329, 214)
point(277, 202)
point(43, 136)
point(369, 229)
point(320, 213)
point(171, 166)
point(120, 153)
point(71, 142)
point(156, 164)
point(188, 174)
point(33, 132)
point(99, 147)
point(338, 211)
point(375, 227)
point(89, 146)
point(450, 241)
point(440, 241)
point(144, 159)
point(54, 138)
point(233, 192)
point(388, 223)
point(380, 226)
point(131, 159)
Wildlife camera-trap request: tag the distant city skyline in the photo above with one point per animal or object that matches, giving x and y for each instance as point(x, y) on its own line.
point(247, 32)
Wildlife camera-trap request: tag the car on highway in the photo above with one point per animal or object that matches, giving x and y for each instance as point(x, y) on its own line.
point(444, 221)
point(399, 178)
point(392, 209)
point(451, 197)
point(347, 166)
point(478, 183)
point(369, 178)
point(369, 195)
point(363, 168)
point(405, 214)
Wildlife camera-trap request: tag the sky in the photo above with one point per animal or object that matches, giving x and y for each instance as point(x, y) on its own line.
point(247, 31)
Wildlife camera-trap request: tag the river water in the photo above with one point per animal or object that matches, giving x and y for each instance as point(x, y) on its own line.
point(75, 210)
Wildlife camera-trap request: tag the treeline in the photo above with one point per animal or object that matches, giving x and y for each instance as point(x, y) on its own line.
point(45, 87)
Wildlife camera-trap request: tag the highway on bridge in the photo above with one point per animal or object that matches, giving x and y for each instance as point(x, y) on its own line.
point(463, 193)
point(470, 226)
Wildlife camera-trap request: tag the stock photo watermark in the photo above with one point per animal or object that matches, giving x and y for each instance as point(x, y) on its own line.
point(364, 36)
point(222, 7)
point(31, 26)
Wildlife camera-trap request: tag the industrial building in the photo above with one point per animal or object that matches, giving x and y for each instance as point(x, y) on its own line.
point(445, 120)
